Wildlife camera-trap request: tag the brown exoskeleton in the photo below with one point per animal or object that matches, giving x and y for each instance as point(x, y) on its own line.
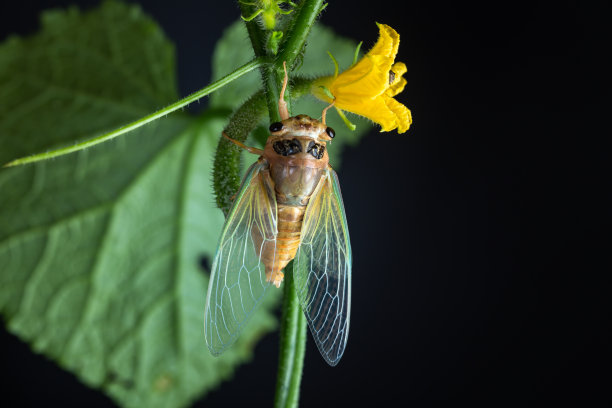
point(289, 207)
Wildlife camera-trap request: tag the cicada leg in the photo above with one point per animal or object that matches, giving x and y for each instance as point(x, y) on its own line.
point(249, 149)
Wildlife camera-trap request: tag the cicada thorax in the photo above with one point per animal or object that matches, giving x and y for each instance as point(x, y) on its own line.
point(297, 157)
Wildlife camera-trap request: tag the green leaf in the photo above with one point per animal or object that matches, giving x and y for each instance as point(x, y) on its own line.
point(92, 66)
point(231, 52)
point(100, 251)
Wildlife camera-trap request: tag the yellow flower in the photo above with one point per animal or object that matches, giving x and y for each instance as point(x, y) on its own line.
point(367, 88)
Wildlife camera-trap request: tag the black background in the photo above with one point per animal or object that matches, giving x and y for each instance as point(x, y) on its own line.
point(480, 237)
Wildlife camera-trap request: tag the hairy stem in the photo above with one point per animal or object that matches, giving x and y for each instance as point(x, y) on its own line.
point(226, 169)
point(292, 347)
point(291, 47)
point(248, 67)
point(295, 38)
point(258, 41)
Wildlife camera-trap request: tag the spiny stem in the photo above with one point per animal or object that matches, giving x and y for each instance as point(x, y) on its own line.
point(293, 398)
point(248, 67)
point(290, 48)
point(292, 346)
point(296, 35)
point(258, 40)
point(226, 169)
point(256, 33)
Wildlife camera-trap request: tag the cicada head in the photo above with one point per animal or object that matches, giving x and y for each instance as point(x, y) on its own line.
point(299, 137)
point(302, 125)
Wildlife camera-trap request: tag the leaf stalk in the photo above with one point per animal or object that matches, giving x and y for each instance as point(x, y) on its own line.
point(246, 68)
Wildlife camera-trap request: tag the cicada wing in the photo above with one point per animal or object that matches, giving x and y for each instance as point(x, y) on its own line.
point(322, 269)
point(238, 280)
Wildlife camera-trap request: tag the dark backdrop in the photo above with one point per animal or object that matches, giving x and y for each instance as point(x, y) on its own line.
point(477, 236)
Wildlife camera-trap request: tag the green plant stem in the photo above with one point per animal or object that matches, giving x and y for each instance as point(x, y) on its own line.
point(258, 40)
point(246, 68)
point(292, 346)
point(256, 33)
point(226, 169)
point(293, 323)
point(295, 38)
point(290, 48)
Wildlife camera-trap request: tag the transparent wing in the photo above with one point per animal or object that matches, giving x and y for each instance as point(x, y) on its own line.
point(322, 269)
point(238, 280)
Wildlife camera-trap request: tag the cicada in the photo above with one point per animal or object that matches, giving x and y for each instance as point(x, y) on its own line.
point(289, 207)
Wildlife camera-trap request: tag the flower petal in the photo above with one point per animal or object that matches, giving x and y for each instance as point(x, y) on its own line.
point(365, 69)
point(399, 68)
point(403, 116)
point(396, 88)
point(367, 88)
point(377, 110)
point(396, 82)
point(388, 42)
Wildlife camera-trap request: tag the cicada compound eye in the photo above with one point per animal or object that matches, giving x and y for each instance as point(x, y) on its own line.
point(276, 126)
point(330, 132)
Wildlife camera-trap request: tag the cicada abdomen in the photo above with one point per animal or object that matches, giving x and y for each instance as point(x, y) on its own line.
point(289, 207)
